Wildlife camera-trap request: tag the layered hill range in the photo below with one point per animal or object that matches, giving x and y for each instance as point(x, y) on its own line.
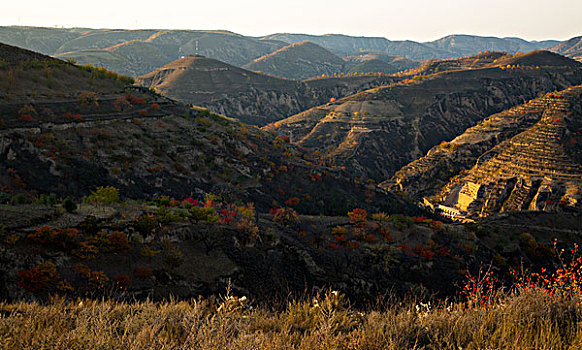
point(304, 60)
point(66, 129)
point(376, 132)
point(526, 158)
point(252, 97)
point(137, 52)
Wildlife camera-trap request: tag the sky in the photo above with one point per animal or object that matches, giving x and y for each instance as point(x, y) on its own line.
point(419, 20)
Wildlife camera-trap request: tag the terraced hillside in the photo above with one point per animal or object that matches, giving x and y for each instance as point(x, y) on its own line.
point(538, 169)
point(427, 175)
point(526, 158)
point(376, 132)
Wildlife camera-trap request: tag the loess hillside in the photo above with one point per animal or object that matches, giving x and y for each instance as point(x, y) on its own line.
point(254, 98)
point(377, 131)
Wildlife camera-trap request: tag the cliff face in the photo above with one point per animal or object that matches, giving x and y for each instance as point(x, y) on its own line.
point(376, 132)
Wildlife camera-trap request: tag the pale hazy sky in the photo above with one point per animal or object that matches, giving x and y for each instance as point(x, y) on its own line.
point(420, 20)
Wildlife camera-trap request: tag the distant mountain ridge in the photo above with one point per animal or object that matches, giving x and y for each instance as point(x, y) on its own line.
point(447, 47)
point(137, 52)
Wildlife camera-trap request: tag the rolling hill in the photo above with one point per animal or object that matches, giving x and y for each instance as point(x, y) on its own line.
point(298, 61)
point(395, 63)
point(137, 52)
point(254, 98)
point(260, 99)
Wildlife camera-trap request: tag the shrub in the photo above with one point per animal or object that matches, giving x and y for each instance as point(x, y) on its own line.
point(88, 99)
point(339, 231)
point(148, 252)
point(143, 272)
point(291, 202)
point(203, 214)
point(104, 195)
point(248, 211)
point(71, 116)
point(167, 216)
point(286, 217)
point(98, 279)
point(48, 200)
point(358, 217)
point(38, 278)
point(28, 110)
point(174, 257)
point(69, 205)
point(146, 223)
point(119, 241)
point(121, 104)
point(122, 281)
point(380, 217)
point(248, 231)
point(26, 118)
point(19, 199)
point(65, 238)
point(90, 225)
point(400, 221)
point(134, 100)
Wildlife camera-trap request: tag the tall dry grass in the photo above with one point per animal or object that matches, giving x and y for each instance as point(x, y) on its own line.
point(528, 320)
